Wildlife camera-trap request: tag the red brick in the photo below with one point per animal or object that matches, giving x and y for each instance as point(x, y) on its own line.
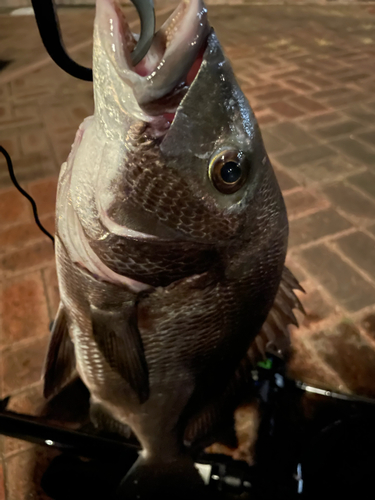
point(10, 144)
point(317, 225)
point(355, 97)
point(364, 181)
point(5, 112)
point(55, 117)
point(274, 95)
point(293, 134)
point(34, 141)
point(298, 157)
point(286, 110)
point(21, 234)
point(351, 202)
point(307, 104)
point(32, 256)
point(285, 74)
point(4, 94)
point(360, 248)
point(13, 207)
point(44, 194)
point(2, 483)
point(368, 137)
point(319, 81)
point(318, 121)
point(341, 128)
point(255, 90)
point(25, 471)
point(340, 72)
point(28, 168)
point(80, 112)
point(340, 279)
point(333, 93)
point(30, 402)
point(316, 306)
point(24, 309)
point(23, 363)
point(299, 202)
point(354, 78)
point(28, 111)
point(307, 366)
point(285, 181)
point(350, 356)
point(299, 85)
point(356, 149)
point(269, 61)
point(273, 143)
point(368, 324)
point(17, 122)
point(12, 446)
point(258, 108)
point(267, 118)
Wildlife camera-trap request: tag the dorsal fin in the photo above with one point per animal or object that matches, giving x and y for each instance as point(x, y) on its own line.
point(274, 334)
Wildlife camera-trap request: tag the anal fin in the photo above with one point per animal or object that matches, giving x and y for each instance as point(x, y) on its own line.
point(103, 421)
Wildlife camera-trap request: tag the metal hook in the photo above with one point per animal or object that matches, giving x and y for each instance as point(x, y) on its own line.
point(146, 12)
point(50, 32)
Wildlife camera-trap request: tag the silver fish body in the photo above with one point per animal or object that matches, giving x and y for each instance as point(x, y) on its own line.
point(170, 242)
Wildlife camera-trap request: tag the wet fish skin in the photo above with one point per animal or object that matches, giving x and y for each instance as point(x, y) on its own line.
point(164, 280)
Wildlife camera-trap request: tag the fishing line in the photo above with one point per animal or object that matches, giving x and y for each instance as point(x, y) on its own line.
point(25, 194)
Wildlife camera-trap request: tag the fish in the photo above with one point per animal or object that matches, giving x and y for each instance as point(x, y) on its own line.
point(171, 238)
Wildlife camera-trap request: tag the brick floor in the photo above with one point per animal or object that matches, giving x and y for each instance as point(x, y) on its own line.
point(306, 71)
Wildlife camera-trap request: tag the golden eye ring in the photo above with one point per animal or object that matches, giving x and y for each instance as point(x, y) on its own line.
point(227, 171)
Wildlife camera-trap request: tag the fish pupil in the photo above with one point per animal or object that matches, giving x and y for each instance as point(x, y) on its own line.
point(230, 172)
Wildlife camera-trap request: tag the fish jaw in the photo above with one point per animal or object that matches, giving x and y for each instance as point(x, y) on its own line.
point(124, 93)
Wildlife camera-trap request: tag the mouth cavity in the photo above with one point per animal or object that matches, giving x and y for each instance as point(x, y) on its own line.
point(162, 78)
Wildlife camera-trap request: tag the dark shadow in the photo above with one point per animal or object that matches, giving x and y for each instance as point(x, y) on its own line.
point(4, 64)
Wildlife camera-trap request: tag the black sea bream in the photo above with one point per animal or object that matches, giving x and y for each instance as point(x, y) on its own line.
point(170, 245)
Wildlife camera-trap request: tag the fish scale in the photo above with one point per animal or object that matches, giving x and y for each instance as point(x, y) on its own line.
point(167, 272)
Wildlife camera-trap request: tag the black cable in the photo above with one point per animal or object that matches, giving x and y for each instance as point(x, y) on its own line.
point(49, 28)
point(25, 194)
point(50, 33)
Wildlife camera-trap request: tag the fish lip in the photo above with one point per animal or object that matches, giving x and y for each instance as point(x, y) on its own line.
point(173, 52)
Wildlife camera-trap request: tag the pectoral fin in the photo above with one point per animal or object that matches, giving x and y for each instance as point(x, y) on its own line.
point(117, 335)
point(60, 362)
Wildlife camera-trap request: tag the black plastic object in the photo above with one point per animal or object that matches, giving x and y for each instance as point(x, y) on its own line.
point(50, 32)
point(340, 462)
point(69, 477)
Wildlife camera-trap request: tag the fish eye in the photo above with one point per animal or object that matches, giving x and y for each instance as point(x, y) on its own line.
point(227, 171)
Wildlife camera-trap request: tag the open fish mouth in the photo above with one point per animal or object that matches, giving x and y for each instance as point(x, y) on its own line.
point(162, 78)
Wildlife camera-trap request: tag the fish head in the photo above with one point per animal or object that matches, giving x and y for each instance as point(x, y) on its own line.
point(124, 92)
point(185, 158)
